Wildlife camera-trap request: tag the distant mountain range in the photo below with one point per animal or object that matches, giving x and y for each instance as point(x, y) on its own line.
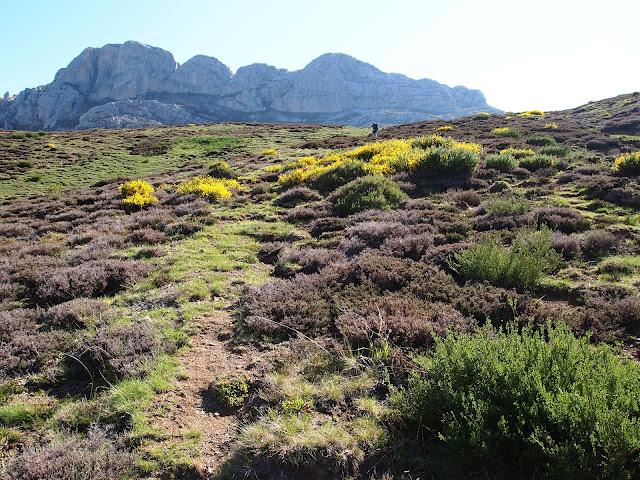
point(134, 85)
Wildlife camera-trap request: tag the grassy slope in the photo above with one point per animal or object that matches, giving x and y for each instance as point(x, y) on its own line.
point(210, 268)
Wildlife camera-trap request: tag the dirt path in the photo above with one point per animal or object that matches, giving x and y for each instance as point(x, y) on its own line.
point(189, 407)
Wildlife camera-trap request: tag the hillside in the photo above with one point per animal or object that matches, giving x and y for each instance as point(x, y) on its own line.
point(293, 301)
point(135, 85)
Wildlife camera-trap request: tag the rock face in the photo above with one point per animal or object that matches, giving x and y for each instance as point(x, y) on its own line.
point(133, 85)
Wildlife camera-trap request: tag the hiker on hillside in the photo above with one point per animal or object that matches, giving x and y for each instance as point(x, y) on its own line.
point(374, 130)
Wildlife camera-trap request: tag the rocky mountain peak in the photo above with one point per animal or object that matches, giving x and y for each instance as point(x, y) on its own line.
point(133, 84)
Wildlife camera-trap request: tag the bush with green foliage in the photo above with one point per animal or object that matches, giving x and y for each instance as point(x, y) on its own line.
point(628, 164)
point(500, 162)
point(231, 391)
point(506, 132)
point(221, 169)
point(519, 265)
point(341, 174)
point(505, 205)
point(541, 140)
point(448, 161)
point(364, 193)
point(555, 150)
point(527, 405)
point(536, 162)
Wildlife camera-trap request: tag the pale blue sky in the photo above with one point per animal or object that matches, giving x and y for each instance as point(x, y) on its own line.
point(521, 54)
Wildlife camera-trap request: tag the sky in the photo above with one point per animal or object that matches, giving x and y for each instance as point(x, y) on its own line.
point(543, 54)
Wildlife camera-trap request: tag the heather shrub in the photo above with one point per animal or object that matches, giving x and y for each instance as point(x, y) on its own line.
point(596, 243)
point(468, 198)
point(517, 153)
point(371, 192)
point(569, 246)
point(147, 235)
point(557, 218)
point(519, 265)
point(221, 169)
point(537, 162)
point(628, 164)
point(90, 279)
point(92, 458)
point(74, 314)
point(412, 246)
point(374, 233)
point(339, 174)
point(541, 140)
point(296, 196)
point(117, 352)
point(515, 402)
point(501, 162)
point(307, 260)
point(402, 319)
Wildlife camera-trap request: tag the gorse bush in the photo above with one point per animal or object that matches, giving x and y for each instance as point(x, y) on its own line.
point(536, 162)
point(519, 265)
point(518, 152)
point(505, 205)
point(137, 193)
point(338, 175)
point(517, 403)
point(432, 153)
point(506, 132)
point(541, 140)
point(221, 169)
point(372, 192)
point(501, 162)
point(209, 187)
point(231, 391)
point(628, 164)
point(555, 150)
point(445, 128)
point(531, 114)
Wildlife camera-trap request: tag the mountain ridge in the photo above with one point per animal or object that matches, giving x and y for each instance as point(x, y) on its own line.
point(119, 85)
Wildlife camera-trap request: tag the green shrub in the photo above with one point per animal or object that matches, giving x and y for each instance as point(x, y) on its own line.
point(341, 174)
point(448, 161)
point(506, 132)
point(536, 162)
point(364, 193)
point(541, 140)
point(231, 391)
point(505, 205)
point(503, 163)
point(555, 150)
point(628, 164)
point(519, 265)
point(221, 169)
point(482, 115)
point(515, 404)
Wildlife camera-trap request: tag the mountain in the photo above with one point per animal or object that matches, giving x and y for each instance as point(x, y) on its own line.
point(135, 85)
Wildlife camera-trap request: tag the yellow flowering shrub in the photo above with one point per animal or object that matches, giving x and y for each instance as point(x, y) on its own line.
point(377, 158)
point(137, 193)
point(628, 164)
point(445, 128)
point(518, 152)
point(209, 187)
point(551, 125)
point(531, 113)
point(272, 152)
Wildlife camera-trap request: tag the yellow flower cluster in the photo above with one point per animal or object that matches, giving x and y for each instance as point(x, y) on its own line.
point(271, 152)
point(379, 158)
point(209, 187)
point(445, 128)
point(531, 113)
point(137, 193)
point(501, 131)
point(551, 126)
